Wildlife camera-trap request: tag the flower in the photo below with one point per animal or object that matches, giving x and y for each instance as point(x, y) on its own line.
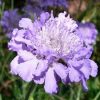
point(32, 11)
point(60, 3)
point(0, 2)
point(88, 32)
point(45, 3)
point(49, 51)
point(9, 21)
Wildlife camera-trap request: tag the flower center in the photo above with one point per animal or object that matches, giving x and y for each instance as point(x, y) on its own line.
point(57, 36)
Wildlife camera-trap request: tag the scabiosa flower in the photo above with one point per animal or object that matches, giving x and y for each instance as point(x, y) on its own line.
point(88, 32)
point(60, 3)
point(49, 51)
point(0, 2)
point(9, 21)
point(32, 11)
point(52, 3)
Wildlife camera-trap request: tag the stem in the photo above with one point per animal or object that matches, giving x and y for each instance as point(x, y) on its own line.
point(31, 87)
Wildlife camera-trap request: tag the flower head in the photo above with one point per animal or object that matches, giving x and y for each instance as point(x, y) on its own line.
point(10, 21)
point(88, 32)
point(51, 3)
point(49, 50)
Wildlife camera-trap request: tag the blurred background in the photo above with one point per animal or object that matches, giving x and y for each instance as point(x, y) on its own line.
point(11, 11)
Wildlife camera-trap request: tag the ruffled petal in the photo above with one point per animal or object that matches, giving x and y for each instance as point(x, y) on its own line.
point(42, 67)
point(26, 70)
point(94, 67)
point(39, 81)
point(74, 75)
point(50, 82)
point(20, 39)
point(83, 81)
point(40, 71)
point(14, 65)
point(26, 55)
point(86, 69)
point(84, 53)
point(25, 23)
point(75, 63)
point(60, 70)
point(14, 46)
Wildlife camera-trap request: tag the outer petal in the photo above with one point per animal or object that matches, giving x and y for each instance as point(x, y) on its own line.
point(42, 67)
point(74, 75)
point(40, 71)
point(94, 68)
point(39, 81)
point(60, 70)
point(83, 81)
point(14, 65)
point(25, 55)
point(27, 69)
point(14, 46)
point(50, 82)
point(20, 39)
point(25, 23)
point(84, 53)
point(75, 63)
point(86, 69)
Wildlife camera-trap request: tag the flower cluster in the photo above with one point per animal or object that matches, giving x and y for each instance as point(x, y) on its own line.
point(88, 32)
point(9, 21)
point(49, 50)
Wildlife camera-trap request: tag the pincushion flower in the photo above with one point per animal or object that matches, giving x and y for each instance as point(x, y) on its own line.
point(32, 11)
point(9, 21)
point(51, 3)
point(49, 51)
point(88, 32)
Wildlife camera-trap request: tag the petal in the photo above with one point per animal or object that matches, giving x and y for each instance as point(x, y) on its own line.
point(74, 75)
point(60, 70)
point(40, 72)
point(27, 69)
point(41, 68)
point(25, 23)
point(15, 31)
point(50, 82)
point(14, 65)
point(75, 63)
point(20, 39)
point(86, 69)
point(39, 81)
point(25, 55)
point(14, 46)
point(84, 53)
point(83, 81)
point(94, 67)
point(44, 17)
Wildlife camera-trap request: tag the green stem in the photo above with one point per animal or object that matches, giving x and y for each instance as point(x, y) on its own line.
point(31, 87)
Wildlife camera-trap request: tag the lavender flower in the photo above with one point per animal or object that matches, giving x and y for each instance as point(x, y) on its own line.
point(32, 11)
point(88, 32)
point(49, 50)
point(60, 3)
point(9, 21)
point(46, 3)
point(0, 2)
